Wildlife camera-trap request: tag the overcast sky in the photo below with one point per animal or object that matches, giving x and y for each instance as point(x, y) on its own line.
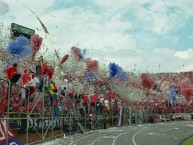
point(144, 34)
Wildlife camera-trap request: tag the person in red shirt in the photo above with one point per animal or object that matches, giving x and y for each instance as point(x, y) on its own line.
point(43, 69)
point(43, 73)
point(25, 77)
point(12, 73)
point(16, 104)
point(50, 72)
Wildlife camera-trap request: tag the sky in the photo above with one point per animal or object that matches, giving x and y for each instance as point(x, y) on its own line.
point(142, 35)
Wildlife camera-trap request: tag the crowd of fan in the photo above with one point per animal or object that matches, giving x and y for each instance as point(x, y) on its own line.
point(33, 90)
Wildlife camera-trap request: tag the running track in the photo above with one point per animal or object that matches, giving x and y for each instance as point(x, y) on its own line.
point(172, 133)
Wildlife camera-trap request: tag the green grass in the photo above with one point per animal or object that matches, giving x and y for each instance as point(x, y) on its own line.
point(189, 141)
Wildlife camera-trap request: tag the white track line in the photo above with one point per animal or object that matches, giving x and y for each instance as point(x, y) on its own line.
point(133, 139)
point(107, 134)
point(93, 134)
point(80, 138)
point(134, 127)
point(116, 138)
point(83, 138)
point(95, 141)
point(100, 138)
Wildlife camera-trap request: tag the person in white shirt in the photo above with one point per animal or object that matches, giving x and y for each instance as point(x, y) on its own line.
point(34, 81)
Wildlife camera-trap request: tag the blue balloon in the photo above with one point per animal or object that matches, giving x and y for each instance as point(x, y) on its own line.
point(89, 76)
point(19, 47)
point(113, 69)
point(173, 93)
point(116, 70)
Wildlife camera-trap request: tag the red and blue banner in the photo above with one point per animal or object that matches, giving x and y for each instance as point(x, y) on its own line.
point(7, 135)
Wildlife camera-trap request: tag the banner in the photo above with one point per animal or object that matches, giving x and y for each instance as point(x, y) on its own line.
point(121, 117)
point(4, 134)
point(35, 124)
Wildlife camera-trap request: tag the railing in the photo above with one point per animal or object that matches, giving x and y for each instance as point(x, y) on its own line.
point(34, 122)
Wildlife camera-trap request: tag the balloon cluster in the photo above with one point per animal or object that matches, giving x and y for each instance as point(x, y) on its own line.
point(91, 64)
point(72, 65)
point(36, 42)
point(19, 47)
point(186, 90)
point(89, 76)
point(173, 93)
point(146, 81)
point(116, 71)
point(77, 53)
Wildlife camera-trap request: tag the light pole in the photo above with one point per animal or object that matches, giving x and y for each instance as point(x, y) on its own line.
point(159, 68)
point(135, 68)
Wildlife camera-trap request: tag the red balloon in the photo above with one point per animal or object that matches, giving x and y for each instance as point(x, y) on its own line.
point(147, 81)
point(65, 57)
point(76, 52)
point(186, 90)
point(36, 42)
point(92, 64)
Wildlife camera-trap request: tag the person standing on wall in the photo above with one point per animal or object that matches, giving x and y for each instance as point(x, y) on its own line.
point(12, 73)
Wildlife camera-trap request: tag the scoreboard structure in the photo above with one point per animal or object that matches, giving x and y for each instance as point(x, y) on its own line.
point(19, 30)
